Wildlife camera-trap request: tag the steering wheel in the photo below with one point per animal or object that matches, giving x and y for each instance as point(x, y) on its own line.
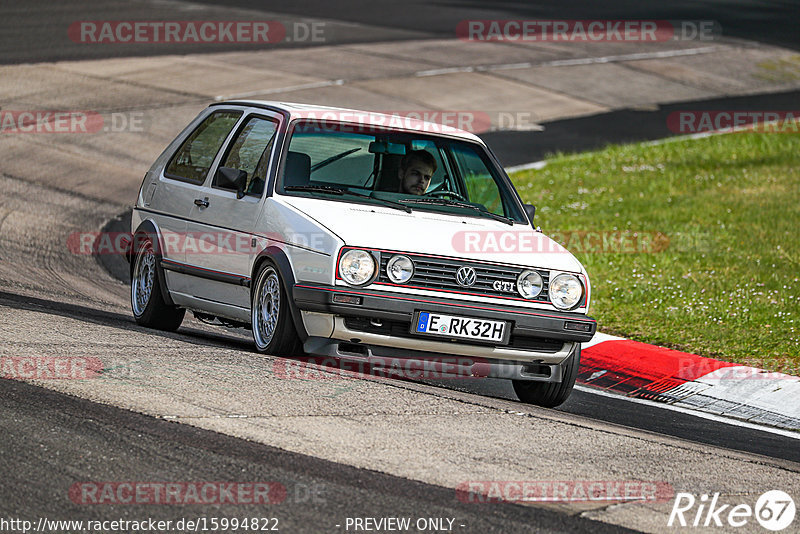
point(445, 193)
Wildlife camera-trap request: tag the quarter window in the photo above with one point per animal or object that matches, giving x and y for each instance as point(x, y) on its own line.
point(481, 186)
point(194, 158)
point(250, 152)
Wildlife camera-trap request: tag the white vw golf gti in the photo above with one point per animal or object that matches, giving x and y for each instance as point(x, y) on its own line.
point(359, 236)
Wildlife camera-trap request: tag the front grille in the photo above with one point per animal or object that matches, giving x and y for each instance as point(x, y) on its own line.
point(440, 273)
point(403, 329)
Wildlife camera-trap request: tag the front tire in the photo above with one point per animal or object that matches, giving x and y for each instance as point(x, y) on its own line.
point(148, 304)
point(270, 317)
point(551, 394)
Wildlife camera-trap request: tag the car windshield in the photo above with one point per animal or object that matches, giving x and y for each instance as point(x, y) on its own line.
point(343, 162)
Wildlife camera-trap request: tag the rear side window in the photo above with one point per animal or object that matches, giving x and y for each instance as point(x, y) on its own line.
point(193, 159)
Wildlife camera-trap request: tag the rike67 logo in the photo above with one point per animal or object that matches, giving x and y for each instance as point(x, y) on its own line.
point(774, 510)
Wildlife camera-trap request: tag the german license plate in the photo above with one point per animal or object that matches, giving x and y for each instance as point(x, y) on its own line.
point(439, 324)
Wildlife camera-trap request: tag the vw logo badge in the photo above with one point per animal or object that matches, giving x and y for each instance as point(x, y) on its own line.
point(466, 276)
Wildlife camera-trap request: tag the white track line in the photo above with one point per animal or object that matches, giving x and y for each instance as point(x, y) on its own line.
point(627, 57)
point(489, 68)
point(568, 62)
point(703, 415)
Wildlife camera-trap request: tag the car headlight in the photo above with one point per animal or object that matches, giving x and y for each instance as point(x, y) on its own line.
point(529, 284)
point(400, 269)
point(565, 291)
point(357, 267)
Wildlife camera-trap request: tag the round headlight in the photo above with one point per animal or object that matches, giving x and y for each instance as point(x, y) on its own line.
point(400, 269)
point(565, 291)
point(529, 284)
point(357, 267)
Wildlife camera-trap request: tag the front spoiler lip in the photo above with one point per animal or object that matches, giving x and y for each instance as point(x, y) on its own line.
point(416, 365)
point(401, 306)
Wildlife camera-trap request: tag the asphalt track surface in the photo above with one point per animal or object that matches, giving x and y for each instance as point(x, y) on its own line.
point(33, 30)
point(764, 21)
point(49, 438)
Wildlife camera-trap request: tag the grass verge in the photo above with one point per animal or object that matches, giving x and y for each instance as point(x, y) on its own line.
point(689, 244)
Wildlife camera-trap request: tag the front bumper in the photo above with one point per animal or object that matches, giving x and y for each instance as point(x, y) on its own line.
point(382, 360)
point(379, 327)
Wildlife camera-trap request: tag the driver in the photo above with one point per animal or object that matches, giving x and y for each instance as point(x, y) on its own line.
point(415, 172)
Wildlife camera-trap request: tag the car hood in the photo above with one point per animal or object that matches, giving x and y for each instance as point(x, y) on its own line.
point(427, 232)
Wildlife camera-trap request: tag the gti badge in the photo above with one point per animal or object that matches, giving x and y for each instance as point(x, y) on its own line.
point(466, 276)
point(500, 285)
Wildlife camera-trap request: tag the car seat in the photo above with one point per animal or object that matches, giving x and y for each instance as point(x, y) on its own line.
point(298, 169)
point(389, 179)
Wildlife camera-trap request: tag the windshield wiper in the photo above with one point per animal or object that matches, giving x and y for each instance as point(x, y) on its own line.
point(315, 189)
point(338, 191)
point(331, 159)
point(456, 203)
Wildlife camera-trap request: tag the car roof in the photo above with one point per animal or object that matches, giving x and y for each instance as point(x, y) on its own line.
point(400, 120)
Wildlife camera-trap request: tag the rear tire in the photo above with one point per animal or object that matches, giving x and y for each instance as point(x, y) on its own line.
point(148, 304)
point(551, 394)
point(270, 317)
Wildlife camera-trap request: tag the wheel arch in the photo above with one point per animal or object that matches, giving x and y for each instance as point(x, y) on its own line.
point(149, 229)
point(278, 257)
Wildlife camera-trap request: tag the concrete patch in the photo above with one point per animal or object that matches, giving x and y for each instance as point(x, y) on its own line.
point(734, 70)
point(482, 92)
point(601, 84)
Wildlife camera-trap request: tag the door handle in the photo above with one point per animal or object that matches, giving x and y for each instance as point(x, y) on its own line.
point(202, 202)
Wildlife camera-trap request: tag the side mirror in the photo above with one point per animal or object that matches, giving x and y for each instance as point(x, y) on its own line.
point(530, 209)
point(228, 178)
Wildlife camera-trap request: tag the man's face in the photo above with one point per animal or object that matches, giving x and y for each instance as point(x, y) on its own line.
point(416, 178)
